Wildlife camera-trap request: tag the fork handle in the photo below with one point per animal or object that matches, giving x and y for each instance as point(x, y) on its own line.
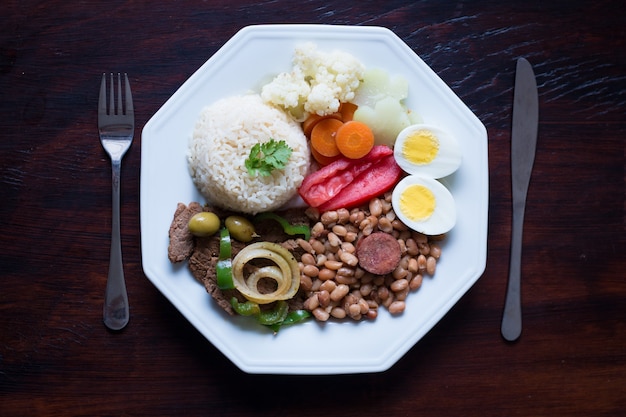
point(116, 312)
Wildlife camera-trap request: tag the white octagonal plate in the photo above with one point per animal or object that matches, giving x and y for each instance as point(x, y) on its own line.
point(249, 59)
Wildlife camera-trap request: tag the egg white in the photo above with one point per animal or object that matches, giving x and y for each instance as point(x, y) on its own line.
point(446, 161)
point(443, 217)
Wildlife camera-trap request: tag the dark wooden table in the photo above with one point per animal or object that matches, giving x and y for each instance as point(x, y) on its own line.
point(57, 358)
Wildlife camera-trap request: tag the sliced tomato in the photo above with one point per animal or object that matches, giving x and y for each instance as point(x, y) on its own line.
point(326, 183)
point(375, 181)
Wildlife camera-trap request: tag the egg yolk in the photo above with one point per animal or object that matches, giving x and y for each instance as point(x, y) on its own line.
point(417, 202)
point(421, 147)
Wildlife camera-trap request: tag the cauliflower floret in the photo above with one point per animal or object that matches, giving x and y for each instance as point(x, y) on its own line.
point(318, 83)
point(288, 89)
point(322, 100)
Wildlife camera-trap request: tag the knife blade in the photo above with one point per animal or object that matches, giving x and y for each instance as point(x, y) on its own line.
point(523, 146)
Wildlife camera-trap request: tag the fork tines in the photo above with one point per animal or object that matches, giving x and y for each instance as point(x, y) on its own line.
point(124, 107)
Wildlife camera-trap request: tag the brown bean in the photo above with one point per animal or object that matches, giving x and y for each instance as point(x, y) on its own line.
point(333, 265)
point(310, 271)
point(334, 240)
point(416, 282)
point(384, 224)
point(350, 298)
point(346, 271)
point(338, 313)
point(308, 259)
point(305, 282)
point(372, 314)
point(366, 289)
point(402, 294)
point(413, 265)
point(383, 293)
point(411, 247)
point(402, 244)
point(390, 299)
point(329, 217)
point(320, 314)
point(318, 246)
point(404, 261)
point(326, 274)
point(386, 205)
point(328, 286)
point(311, 303)
point(305, 245)
point(342, 279)
point(349, 259)
point(399, 225)
point(435, 250)
point(350, 237)
point(316, 285)
point(343, 216)
point(431, 265)
point(367, 227)
point(356, 216)
point(399, 285)
point(339, 230)
point(363, 306)
point(376, 207)
point(399, 273)
point(348, 247)
point(355, 311)
point(324, 298)
point(317, 229)
point(421, 263)
point(363, 275)
point(397, 307)
point(339, 292)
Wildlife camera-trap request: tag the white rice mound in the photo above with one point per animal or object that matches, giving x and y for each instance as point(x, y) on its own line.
point(221, 142)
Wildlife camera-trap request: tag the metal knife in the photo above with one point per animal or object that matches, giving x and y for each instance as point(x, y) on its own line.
point(523, 145)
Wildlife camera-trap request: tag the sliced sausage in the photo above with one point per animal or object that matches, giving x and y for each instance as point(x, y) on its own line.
point(378, 253)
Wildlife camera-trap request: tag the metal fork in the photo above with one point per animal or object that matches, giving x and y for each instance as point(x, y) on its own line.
point(116, 126)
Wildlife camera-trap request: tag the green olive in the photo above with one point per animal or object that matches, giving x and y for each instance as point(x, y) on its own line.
point(240, 228)
point(204, 224)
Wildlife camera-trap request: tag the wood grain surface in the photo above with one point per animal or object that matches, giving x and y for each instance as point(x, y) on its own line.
point(57, 358)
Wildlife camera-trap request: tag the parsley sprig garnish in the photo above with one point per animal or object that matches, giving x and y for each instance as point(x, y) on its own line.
point(268, 156)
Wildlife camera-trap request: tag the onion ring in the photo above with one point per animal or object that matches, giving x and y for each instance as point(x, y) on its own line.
point(285, 272)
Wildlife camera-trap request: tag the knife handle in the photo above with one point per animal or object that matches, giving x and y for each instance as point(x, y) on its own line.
point(512, 319)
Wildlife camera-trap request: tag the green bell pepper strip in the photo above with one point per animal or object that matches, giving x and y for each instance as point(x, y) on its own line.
point(247, 308)
point(276, 315)
point(224, 266)
point(290, 229)
point(293, 317)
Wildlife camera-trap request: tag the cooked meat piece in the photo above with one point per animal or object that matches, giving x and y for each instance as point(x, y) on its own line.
point(378, 253)
point(203, 253)
point(202, 265)
point(181, 240)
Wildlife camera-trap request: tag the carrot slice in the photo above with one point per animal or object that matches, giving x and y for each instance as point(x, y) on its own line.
point(347, 111)
point(314, 118)
point(323, 137)
point(321, 159)
point(354, 139)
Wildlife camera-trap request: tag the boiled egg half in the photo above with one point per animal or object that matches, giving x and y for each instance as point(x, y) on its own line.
point(424, 204)
point(427, 150)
